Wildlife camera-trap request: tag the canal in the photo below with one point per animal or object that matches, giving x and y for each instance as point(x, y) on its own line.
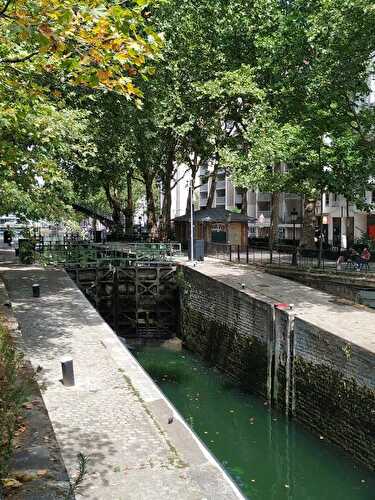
point(269, 457)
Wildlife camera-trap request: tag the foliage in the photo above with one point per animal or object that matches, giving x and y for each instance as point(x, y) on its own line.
point(250, 86)
point(314, 63)
point(36, 138)
point(11, 397)
point(45, 48)
point(366, 241)
point(76, 485)
point(93, 43)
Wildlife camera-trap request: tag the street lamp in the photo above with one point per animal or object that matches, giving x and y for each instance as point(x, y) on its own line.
point(189, 184)
point(293, 216)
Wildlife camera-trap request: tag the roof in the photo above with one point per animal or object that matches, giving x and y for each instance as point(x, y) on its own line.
point(215, 215)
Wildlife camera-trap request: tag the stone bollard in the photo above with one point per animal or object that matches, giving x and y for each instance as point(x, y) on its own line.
point(36, 290)
point(67, 372)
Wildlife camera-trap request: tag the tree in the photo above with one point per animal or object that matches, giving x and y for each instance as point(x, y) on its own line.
point(96, 43)
point(314, 63)
point(201, 39)
point(46, 47)
point(36, 139)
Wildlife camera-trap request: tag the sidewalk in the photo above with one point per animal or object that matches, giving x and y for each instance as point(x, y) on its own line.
point(354, 323)
point(115, 414)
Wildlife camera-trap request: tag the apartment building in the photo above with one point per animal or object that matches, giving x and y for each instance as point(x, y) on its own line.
point(343, 222)
point(258, 205)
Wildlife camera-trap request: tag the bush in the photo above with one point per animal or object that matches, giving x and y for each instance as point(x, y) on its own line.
point(12, 396)
point(365, 241)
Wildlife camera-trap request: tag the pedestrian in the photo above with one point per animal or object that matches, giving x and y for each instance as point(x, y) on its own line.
point(354, 257)
point(364, 258)
point(340, 261)
point(8, 236)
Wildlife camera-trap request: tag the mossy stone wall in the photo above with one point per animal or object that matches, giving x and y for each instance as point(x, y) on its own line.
point(229, 329)
point(309, 373)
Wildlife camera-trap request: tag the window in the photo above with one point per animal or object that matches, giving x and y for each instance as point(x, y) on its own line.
point(204, 195)
point(326, 199)
point(264, 206)
point(220, 193)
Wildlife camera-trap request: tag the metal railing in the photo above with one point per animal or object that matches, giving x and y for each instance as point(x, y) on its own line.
point(281, 255)
point(284, 255)
point(86, 254)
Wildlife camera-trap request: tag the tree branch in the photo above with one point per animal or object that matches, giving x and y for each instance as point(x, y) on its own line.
point(5, 8)
point(19, 59)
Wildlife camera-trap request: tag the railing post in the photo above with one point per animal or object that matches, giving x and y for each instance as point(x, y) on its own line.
point(238, 253)
point(230, 253)
point(247, 254)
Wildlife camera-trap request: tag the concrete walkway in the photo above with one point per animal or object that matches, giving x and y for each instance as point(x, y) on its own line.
point(354, 323)
point(115, 414)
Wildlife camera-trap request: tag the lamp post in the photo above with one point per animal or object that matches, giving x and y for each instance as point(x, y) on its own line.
point(293, 216)
point(191, 222)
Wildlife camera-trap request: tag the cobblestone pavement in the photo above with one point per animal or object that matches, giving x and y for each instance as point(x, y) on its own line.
point(355, 323)
point(114, 414)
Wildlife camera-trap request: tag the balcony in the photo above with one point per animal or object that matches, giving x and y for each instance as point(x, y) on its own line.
point(263, 196)
point(286, 219)
point(292, 196)
point(203, 172)
point(265, 215)
point(336, 204)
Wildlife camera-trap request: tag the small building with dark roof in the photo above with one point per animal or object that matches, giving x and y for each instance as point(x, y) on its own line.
point(215, 225)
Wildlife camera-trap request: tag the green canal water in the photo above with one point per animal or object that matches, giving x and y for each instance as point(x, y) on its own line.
point(269, 457)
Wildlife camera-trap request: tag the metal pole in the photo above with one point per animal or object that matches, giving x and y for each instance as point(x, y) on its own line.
point(191, 222)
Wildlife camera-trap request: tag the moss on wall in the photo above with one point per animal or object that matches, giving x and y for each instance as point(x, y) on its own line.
point(241, 357)
point(337, 408)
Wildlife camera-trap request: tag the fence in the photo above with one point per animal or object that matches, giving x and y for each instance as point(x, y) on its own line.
point(84, 253)
point(281, 255)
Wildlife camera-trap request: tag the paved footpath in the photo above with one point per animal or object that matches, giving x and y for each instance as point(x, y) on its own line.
point(354, 323)
point(115, 414)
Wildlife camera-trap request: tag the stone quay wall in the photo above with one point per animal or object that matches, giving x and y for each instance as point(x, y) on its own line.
point(313, 375)
point(342, 284)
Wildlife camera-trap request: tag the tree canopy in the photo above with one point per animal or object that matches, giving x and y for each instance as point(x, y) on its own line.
point(47, 50)
point(248, 85)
